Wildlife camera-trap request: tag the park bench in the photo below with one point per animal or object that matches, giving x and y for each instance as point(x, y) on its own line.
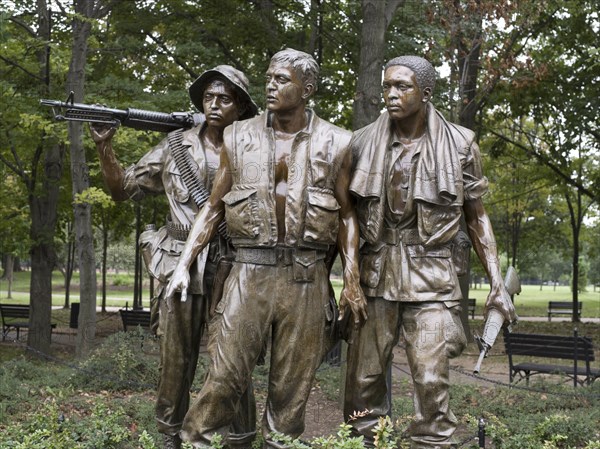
point(471, 307)
point(133, 317)
point(16, 316)
point(575, 348)
point(562, 308)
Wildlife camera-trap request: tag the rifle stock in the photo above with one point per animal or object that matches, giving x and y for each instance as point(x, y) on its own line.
point(132, 118)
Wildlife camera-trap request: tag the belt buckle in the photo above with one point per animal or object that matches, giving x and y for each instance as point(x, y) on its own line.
point(283, 255)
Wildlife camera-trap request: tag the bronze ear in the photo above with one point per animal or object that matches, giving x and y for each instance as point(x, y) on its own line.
point(427, 93)
point(309, 89)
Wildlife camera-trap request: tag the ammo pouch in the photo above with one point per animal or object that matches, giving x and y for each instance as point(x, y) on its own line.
point(160, 262)
point(161, 253)
point(304, 264)
point(461, 247)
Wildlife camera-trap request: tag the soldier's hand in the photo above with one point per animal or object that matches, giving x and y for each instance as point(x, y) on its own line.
point(499, 299)
point(353, 298)
point(101, 133)
point(179, 282)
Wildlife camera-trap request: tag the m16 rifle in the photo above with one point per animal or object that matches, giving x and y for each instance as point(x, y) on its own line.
point(132, 118)
point(495, 319)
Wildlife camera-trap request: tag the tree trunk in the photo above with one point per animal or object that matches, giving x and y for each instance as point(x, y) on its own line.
point(104, 259)
point(137, 290)
point(376, 15)
point(315, 43)
point(43, 208)
point(367, 101)
point(43, 204)
point(8, 274)
point(84, 241)
point(575, 219)
point(70, 264)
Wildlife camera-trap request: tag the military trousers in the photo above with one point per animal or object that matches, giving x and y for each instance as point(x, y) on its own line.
point(433, 334)
point(258, 301)
point(180, 330)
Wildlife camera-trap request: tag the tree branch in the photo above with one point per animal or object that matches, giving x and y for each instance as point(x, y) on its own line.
point(101, 10)
point(23, 25)
point(517, 34)
point(594, 133)
point(17, 166)
point(170, 54)
point(546, 161)
point(390, 10)
point(61, 7)
point(20, 67)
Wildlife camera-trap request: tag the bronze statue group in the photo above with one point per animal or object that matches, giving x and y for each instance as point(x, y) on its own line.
point(293, 191)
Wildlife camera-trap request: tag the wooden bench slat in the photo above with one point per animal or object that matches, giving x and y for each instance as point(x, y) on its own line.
point(12, 312)
point(551, 347)
point(135, 318)
point(556, 369)
point(562, 308)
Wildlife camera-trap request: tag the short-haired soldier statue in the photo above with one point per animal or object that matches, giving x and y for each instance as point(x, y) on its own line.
point(283, 188)
point(414, 174)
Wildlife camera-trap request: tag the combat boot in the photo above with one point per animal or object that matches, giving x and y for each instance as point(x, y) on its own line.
point(172, 442)
point(240, 440)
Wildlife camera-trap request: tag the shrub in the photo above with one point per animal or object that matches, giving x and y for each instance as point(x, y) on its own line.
point(47, 428)
point(122, 281)
point(124, 361)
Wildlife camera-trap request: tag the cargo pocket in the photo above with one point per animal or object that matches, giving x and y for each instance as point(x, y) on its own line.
point(454, 334)
point(432, 270)
point(321, 222)
point(240, 213)
point(372, 264)
point(304, 265)
point(160, 253)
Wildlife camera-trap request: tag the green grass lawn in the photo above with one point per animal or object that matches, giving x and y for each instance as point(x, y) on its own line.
point(119, 289)
point(532, 301)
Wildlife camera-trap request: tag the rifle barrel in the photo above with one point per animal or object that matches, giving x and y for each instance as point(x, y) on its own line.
point(132, 118)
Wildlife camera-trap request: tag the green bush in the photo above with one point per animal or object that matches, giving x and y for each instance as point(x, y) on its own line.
point(122, 280)
point(23, 381)
point(48, 428)
point(124, 361)
point(329, 380)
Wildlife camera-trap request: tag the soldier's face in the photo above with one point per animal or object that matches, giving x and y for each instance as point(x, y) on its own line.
point(285, 89)
point(220, 105)
point(402, 95)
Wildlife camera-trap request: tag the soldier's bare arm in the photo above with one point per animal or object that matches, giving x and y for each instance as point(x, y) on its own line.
point(484, 244)
point(112, 172)
point(203, 230)
point(352, 295)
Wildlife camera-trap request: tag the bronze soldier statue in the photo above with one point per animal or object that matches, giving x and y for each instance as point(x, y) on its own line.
point(282, 187)
point(183, 167)
point(413, 176)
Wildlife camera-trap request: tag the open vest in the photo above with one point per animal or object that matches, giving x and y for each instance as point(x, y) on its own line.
point(312, 211)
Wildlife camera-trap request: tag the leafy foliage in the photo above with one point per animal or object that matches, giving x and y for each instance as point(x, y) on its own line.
point(123, 360)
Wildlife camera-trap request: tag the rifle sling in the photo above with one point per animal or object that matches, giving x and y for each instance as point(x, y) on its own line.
point(182, 159)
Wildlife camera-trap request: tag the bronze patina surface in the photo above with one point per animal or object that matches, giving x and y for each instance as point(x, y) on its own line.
point(282, 187)
point(414, 174)
point(222, 95)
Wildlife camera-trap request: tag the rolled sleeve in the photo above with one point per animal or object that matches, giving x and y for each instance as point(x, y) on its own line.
point(145, 177)
point(475, 184)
